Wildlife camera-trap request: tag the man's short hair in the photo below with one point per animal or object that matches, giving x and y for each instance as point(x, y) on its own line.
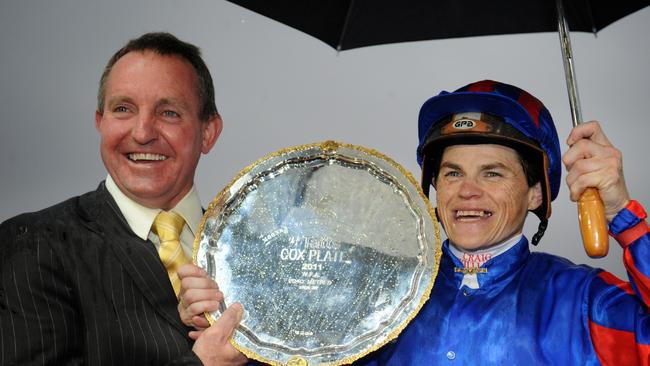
point(167, 45)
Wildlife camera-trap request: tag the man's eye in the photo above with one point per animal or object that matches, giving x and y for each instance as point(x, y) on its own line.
point(452, 174)
point(492, 174)
point(120, 109)
point(172, 114)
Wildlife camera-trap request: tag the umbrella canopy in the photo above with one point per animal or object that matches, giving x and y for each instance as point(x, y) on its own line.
point(348, 24)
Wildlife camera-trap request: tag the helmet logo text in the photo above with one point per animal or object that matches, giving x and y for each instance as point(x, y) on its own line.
point(464, 124)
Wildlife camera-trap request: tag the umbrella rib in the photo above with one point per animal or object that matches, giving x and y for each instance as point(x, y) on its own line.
point(591, 19)
point(345, 26)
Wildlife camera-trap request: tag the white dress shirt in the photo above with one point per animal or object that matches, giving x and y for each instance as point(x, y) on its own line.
point(140, 218)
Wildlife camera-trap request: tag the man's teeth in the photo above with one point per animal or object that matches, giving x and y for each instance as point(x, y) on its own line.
point(146, 156)
point(472, 213)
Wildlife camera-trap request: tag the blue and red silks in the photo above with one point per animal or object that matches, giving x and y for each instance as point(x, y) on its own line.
point(535, 309)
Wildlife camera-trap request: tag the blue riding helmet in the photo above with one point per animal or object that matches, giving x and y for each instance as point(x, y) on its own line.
point(490, 112)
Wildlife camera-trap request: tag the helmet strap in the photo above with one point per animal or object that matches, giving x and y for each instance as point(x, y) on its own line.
point(427, 176)
point(540, 231)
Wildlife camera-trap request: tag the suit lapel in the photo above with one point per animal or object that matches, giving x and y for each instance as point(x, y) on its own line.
point(139, 258)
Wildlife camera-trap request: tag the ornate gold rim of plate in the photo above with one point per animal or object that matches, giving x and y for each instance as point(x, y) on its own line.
point(360, 158)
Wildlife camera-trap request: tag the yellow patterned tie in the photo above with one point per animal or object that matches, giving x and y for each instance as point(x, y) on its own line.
point(168, 226)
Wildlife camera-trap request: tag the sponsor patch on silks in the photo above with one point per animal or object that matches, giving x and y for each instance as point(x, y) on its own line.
point(470, 270)
point(473, 262)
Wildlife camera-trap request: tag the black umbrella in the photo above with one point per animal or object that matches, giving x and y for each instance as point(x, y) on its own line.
point(348, 24)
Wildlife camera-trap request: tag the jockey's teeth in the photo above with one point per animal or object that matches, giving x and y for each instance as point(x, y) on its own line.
point(472, 213)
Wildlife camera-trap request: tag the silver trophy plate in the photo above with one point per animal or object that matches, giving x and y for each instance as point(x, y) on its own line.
point(331, 248)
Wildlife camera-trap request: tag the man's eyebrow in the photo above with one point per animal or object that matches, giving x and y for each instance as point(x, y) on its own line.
point(449, 165)
point(489, 166)
point(118, 99)
point(172, 101)
point(495, 166)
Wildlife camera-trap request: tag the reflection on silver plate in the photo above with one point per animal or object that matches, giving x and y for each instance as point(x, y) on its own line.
point(331, 248)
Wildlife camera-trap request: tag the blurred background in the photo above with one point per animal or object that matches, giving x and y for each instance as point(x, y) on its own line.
point(278, 87)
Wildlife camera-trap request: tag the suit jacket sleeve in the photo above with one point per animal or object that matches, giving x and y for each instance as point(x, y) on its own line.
point(39, 321)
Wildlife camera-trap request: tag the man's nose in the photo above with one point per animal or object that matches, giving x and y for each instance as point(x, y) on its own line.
point(470, 188)
point(144, 131)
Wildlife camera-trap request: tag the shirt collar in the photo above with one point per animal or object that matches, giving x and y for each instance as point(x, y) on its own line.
point(140, 218)
point(492, 251)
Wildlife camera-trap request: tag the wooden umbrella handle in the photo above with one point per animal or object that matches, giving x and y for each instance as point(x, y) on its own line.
point(591, 213)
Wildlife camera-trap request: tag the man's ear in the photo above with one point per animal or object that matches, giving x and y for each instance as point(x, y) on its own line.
point(98, 119)
point(534, 196)
point(211, 131)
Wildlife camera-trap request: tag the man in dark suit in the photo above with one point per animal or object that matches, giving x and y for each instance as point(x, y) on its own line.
point(86, 281)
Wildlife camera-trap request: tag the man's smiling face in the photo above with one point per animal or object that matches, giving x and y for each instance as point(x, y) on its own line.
point(151, 134)
point(482, 196)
